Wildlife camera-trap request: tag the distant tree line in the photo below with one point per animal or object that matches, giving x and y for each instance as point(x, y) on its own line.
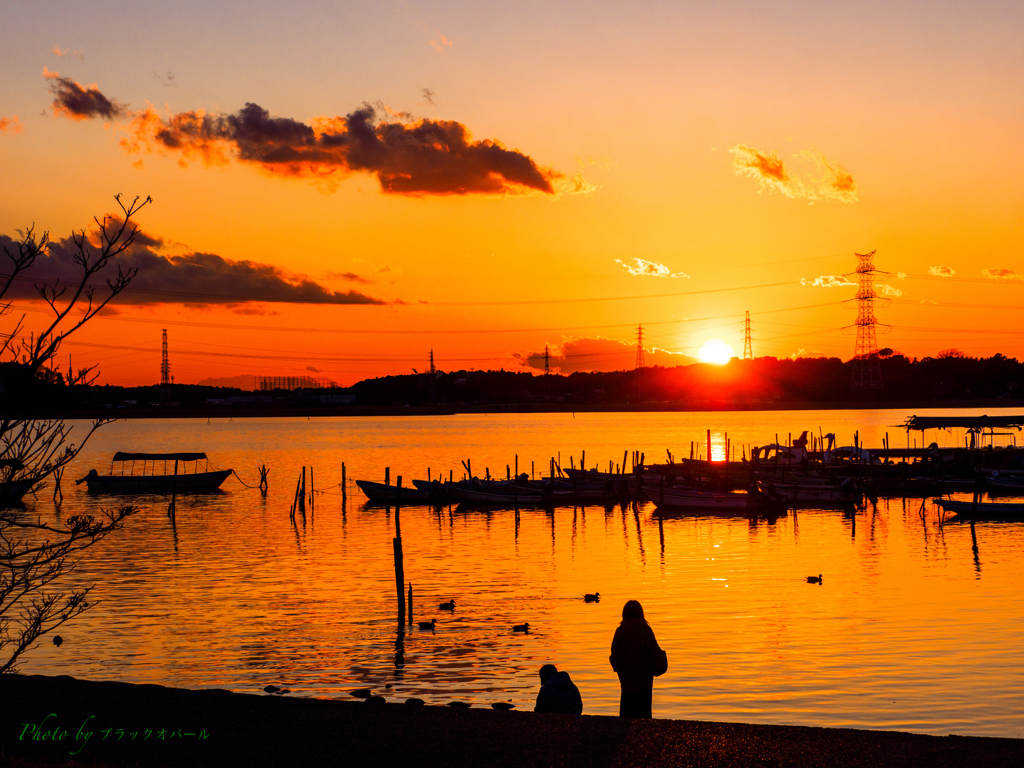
point(740, 383)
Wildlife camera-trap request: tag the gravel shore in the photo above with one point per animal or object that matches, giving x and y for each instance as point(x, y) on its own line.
point(46, 721)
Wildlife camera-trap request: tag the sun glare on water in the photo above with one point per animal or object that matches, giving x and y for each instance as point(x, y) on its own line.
point(716, 351)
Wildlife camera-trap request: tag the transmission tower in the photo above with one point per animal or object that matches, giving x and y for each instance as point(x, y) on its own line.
point(867, 372)
point(748, 346)
point(432, 368)
point(640, 347)
point(547, 361)
point(165, 371)
point(165, 364)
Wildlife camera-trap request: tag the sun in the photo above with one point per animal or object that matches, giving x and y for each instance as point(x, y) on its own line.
point(716, 351)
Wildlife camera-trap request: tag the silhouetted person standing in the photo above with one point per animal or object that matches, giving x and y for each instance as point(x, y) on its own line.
point(558, 693)
point(637, 659)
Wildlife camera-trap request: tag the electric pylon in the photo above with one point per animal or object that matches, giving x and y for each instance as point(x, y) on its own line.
point(640, 347)
point(867, 372)
point(748, 346)
point(547, 361)
point(432, 368)
point(165, 372)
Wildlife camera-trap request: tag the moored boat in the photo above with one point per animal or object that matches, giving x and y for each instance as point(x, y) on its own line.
point(148, 481)
point(983, 510)
point(390, 494)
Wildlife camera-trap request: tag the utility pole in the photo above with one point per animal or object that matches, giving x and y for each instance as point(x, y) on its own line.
point(867, 372)
point(748, 346)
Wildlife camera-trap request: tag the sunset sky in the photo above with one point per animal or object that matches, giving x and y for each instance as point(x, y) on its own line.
point(339, 188)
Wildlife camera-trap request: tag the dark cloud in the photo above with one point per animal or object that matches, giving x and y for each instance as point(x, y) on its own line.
point(78, 102)
point(599, 354)
point(425, 157)
point(428, 95)
point(352, 277)
point(194, 279)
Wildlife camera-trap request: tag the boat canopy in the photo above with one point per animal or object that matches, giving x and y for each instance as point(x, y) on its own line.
point(120, 456)
point(963, 422)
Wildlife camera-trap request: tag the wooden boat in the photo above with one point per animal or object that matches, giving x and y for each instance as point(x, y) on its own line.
point(984, 510)
point(1005, 483)
point(810, 494)
point(390, 494)
point(696, 498)
point(148, 481)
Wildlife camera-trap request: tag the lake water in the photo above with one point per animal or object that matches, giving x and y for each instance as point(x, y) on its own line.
point(918, 626)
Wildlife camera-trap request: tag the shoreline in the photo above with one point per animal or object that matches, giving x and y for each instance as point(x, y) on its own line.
point(221, 728)
point(702, 406)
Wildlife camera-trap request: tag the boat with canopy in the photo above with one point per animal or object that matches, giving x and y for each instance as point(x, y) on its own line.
point(157, 473)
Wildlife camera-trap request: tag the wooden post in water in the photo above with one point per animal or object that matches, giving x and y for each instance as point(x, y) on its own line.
point(312, 492)
point(344, 484)
point(624, 453)
point(410, 604)
point(399, 568)
point(302, 493)
point(583, 462)
point(174, 489)
point(709, 447)
point(517, 465)
point(58, 494)
point(387, 475)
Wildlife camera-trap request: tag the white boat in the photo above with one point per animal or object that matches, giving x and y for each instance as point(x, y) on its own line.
point(798, 493)
point(148, 480)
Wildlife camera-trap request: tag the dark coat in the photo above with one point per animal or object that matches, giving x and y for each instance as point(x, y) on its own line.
point(559, 694)
point(636, 656)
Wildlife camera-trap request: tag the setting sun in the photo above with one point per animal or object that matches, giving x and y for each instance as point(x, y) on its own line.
point(716, 351)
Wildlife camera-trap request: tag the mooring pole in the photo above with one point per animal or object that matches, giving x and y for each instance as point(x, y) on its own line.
point(174, 490)
point(399, 565)
point(343, 483)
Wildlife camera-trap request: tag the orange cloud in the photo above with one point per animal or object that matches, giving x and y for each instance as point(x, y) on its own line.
point(77, 102)
point(442, 44)
point(649, 269)
point(767, 170)
point(10, 124)
point(941, 271)
point(67, 54)
point(1002, 274)
point(424, 157)
point(600, 354)
point(829, 281)
point(819, 179)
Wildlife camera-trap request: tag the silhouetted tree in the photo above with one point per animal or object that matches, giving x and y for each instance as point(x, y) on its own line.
point(33, 446)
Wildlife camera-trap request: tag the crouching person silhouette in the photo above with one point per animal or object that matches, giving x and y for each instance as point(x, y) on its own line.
point(637, 659)
point(558, 693)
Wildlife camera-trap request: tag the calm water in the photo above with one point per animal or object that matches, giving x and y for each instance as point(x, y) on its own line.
point(913, 629)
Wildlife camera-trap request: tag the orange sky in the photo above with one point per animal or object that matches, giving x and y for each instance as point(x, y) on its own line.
point(731, 145)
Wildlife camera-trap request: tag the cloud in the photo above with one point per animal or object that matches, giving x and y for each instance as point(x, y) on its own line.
point(244, 381)
point(901, 275)
point(313, 369)
point(649, 269)
point(198, 279)
point(77, 102)
point(818, 179)
point(600, 354)
point(442, 43)
point(67, 54)
point(888, 290)
point(799, 353)
point(10, 124)
point(1002, 274)
point(941, 271)
point(428, 95)
point(828, 281)
point(350, 276)
point(424, 157)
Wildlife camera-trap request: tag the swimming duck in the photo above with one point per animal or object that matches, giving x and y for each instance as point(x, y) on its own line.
point(521, 627)
point(449, 606)
point(459, 704)
point(814, 579)
point(594, 598)
point(414, 702)
point(362, 693)
point(428, 624)
point(271, 689)
point(503, 705)
point(57, 640)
